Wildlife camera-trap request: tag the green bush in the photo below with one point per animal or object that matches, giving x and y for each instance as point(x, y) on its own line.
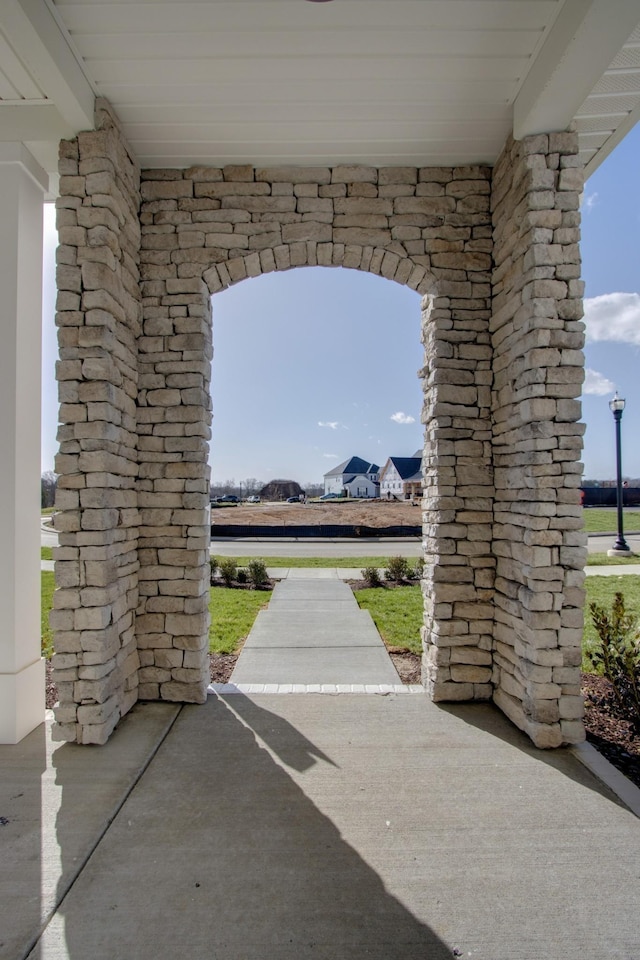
point(617, 654)
point(371, 576)
point(398, 569)
point(213, 563)
point(242, 576)
point(257, 570)
point(228, 570)
point(418, 569)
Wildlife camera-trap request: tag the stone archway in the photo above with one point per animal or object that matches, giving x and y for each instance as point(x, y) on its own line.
point(195, 244)
point(140, 257)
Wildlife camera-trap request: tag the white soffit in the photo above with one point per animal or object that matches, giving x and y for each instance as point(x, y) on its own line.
point(410, 82)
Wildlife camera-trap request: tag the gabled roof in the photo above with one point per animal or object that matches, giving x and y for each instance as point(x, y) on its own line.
point(360, 476)
point(354, 465)
point(407, 467)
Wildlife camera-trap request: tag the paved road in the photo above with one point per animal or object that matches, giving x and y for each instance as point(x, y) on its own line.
point(382, 547)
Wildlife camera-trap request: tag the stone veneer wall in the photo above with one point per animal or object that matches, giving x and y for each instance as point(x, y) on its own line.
point(135, 409)
point(206, 228)
point(98, 317)
point(537, 339)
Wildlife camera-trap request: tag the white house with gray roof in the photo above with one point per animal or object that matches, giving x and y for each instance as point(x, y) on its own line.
point(354, 478)
point(401, 478)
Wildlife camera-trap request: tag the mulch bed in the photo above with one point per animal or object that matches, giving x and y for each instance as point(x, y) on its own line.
point(608, 729)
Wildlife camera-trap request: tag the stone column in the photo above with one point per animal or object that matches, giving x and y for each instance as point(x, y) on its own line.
point(174, 416)
point(22, 186)
point(458, 496)
point(98, 317)
point(537, 338)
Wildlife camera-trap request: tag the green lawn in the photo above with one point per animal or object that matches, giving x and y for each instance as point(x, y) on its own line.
point(602, 590)
point(602, 560)
point(598, 520)
point(46, 553)
point(397, 613)
point(232, 616)
point(47, 587)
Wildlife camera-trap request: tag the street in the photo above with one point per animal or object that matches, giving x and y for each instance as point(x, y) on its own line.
point(371, 547)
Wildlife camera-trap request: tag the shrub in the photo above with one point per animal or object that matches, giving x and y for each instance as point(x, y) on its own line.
point(398, 569)
point(213, 563)
point(242, 576)
point(418, 569)
point(257, 570)
point(372, 577)
point(617, 655)
point(228, 570)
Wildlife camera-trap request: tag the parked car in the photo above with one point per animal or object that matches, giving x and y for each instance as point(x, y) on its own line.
point(253, 499)
point(227, 498)
point(329, 496)
point(293, 499)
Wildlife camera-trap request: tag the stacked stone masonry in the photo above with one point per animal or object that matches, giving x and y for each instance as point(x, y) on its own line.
point(537, 338)
point(135, 408)
point(99, 316)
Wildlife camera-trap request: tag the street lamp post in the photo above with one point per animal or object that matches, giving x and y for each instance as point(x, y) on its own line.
point(620, 546)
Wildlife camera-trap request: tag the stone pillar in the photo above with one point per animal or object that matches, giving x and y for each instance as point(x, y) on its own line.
point(537, 341)
point(98, 317)
point(174, 416)
point(22, 186)
point(458, 492)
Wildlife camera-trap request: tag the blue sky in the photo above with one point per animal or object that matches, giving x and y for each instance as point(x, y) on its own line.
point(314, 365)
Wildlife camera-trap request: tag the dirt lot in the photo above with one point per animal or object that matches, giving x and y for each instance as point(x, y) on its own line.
point(371, 513)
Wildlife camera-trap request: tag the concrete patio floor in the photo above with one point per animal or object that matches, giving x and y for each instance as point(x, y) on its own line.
point(327, 827)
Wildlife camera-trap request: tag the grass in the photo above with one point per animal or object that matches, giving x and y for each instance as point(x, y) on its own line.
point(603, 560)
point(397, 613)
point(47, 586)
point(602, 590)
point(46, 553)
point(232, 616)
point(47, 511)
point(597, 520)
point(356, 562)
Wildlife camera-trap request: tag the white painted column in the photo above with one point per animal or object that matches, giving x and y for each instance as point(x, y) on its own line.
point(22, 186)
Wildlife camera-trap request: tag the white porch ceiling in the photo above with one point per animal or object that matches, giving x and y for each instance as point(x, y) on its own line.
point(409, 82)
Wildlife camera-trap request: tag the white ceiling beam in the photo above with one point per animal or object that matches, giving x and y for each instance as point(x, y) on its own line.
point(32, 120)
point(583, 41)
point(36, 38)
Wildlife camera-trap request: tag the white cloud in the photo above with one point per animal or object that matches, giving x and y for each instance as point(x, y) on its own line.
point(596, 384)
point(614, 317)
point(332, 424)
point(330, 456)
point(401, 417)
point(590, 201)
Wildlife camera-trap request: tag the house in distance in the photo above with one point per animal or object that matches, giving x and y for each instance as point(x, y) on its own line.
point(354, 478)
point(401, 478)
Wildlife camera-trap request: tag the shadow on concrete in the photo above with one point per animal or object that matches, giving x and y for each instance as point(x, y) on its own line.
point(488, 718)
point(21, 843)
point(291, 747)
point(217, 852)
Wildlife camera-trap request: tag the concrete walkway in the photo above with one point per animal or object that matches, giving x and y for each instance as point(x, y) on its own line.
point(313, 638)
point(312, 828)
